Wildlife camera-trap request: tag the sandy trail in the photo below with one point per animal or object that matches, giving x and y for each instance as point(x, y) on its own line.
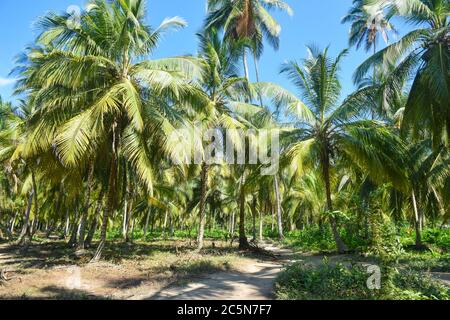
point(255, 281)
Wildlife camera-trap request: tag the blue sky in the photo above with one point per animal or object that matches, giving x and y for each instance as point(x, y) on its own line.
point(314, 21)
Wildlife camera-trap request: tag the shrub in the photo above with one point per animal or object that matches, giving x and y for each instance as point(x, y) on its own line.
point(339, 282)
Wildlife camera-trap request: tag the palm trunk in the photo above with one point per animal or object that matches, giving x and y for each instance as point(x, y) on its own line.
point(243, 241)
point(25, 234)
point(342, 248)
point(257, 76)
point(278, 206)
point(254, 214)
point(84, 216)
point(417, 214)
point(147, 221)
point(204, 185)
point(129, 219)
point(91, 233)
point(245, 60)
point(36, 206)
point(75, 227)
point(261, 225)
point(171, 227)
point(13, 223)
point(111, 195)
point(164, 227)
point(133, 224)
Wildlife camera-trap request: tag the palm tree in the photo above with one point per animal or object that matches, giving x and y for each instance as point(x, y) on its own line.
point(98, 95)
point(226, 92)
point(326, 131)
point(427, 173)
point(423, 54)
point(369, 23)
point(248, 21)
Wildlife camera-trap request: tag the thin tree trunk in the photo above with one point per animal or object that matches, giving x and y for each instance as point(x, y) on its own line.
point(342, 248)
point(91, 233)
point(164, 227)
point(147, 221)
point(13, 223)
point(245, 60)
point(133, 223)
point(243, 241)
point(130, 218)
point(254, 214)
point(171, 226)
point(417, 214)
point(204, 185)
point(84, 216)
point(111, 196)
point(25, 234)
point(261, 226)
point(278, 206)
point(75, 228)
point(67, 224)
point(93, 228)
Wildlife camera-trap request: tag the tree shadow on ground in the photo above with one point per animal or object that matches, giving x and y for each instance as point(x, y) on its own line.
point(222, 286)
point(58, 293)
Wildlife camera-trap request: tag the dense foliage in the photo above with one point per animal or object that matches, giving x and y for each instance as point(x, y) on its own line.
point(87, 154)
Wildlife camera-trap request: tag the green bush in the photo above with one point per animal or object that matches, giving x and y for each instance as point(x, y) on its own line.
point(338, 282)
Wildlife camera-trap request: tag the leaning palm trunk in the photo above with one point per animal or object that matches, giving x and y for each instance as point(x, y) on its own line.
point(204, 184)
point(342, 248)
point(13, 223)
point(25, 234)
point(81, 239)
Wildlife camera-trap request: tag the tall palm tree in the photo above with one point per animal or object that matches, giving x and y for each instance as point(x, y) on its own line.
point(226, 92)
point(97, 94)
point(248, 21)
point(369, 23)
point(326, 131)
point(423, 54)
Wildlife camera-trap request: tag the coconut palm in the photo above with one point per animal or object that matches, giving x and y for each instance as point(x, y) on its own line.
point(227, 93)
point(327, 131)
point(428, 171)
point(369, 23)
point(97, 94)
point(423, 55)
point(247, 20)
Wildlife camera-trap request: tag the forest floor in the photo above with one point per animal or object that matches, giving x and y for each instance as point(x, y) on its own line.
point(155, 271)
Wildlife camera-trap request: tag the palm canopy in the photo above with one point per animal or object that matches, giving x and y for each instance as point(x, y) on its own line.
point(421, 56)
point(368, 24)
point(247, 19)
point(327, 131)
point(95, 89)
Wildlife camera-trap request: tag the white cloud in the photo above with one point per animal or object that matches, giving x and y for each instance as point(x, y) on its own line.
point(6, 81)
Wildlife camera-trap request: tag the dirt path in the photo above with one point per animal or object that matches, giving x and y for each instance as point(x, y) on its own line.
point(254, 281)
